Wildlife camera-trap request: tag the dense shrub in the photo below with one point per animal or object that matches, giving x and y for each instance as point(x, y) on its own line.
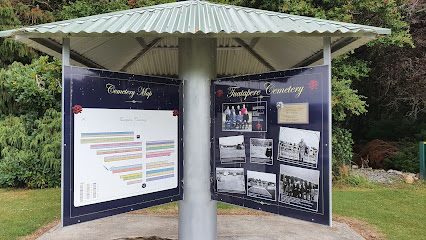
point(342, 146)
point(30, 124)
point(12, 137)
point(376, 152)
point(403, 154)
point(406, 160)
point(31, 159)
point(46, 139)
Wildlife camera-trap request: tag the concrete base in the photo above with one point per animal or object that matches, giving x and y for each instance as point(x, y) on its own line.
point(230, 227)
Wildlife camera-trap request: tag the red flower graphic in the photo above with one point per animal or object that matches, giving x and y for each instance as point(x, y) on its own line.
point(313, 84)
point(77, 109)
point(175, 112)
point(259, 126)
point(219, 93)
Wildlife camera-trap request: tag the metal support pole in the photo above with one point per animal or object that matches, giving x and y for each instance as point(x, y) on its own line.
point(197, 66)
point(65, 62)
point(327, 61)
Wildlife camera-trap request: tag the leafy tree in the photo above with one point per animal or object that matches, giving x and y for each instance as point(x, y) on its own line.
point(10, 50)
point(345, 99)
point(83, 8)
point(31, 89)
point(30, 130)
point(397, 81)
point(145, 3)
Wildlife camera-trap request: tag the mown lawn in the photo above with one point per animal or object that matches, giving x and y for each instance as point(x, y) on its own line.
point(398, 210)
point(24, 211)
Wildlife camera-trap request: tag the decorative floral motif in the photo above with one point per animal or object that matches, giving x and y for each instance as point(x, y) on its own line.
point(219, 93)
point(259, 126)
point(313, 84)
point(280, 105)
point(175, 112)
point(77, 109)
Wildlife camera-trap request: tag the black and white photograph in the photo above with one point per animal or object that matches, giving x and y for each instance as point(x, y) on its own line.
point(232, 149)
point(261, 185)
point(299, 187)
point(299, 146)
point(261, 151)
point(230, 180)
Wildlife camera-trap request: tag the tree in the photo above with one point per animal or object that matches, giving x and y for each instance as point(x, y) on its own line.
point(397, 80)
point(31, 89)
point(10, 50)
point(83, 8)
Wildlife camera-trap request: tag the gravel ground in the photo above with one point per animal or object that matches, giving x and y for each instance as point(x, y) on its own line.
point(379, 175)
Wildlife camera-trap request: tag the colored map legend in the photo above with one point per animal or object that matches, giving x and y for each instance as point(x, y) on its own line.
point(125, 159)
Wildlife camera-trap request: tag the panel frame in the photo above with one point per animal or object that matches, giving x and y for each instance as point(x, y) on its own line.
point(73, 215)
point(320, 113)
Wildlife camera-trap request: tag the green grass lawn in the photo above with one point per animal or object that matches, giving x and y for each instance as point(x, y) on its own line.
point(24, 211)
point(399, 210)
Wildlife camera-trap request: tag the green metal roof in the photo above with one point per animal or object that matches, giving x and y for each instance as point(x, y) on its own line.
point(145, 40)
point(196, 18)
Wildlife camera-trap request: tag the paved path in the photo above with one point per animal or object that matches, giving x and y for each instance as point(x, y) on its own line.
point(230, 227)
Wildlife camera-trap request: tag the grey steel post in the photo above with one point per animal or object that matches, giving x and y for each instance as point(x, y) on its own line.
point(327, 61)
point(197, 66)
point(65, 62)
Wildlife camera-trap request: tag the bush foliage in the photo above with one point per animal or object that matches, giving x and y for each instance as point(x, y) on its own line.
point(342, 146)
point(406, 160)
point(30, 124)
point(31, 160)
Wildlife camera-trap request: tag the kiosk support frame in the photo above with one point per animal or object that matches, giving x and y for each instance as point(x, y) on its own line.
point(327, 61)
point(66, 46)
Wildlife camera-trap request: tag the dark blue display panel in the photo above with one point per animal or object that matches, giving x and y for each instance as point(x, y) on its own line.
point(123, 143)
point(270, 148)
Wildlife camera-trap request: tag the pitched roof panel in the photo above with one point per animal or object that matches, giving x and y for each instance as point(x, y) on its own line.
point(192, 17)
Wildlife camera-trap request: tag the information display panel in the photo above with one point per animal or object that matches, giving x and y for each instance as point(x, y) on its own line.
point(270, 148)
point(122, 138)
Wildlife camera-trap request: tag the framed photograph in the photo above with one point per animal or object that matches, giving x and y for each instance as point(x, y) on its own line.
point(261, 151)
point(244, 116)
point(230, 180)
point(261, 185)
point(232, 149)
point(299, 187)
point(299, 146)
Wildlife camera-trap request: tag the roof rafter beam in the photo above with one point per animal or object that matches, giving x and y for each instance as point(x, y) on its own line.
point(141, 53)
point(254, 54)
point(339, 44)
point(218, 48)
point(254, 41)
point(141, 42)
point(54, 46)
